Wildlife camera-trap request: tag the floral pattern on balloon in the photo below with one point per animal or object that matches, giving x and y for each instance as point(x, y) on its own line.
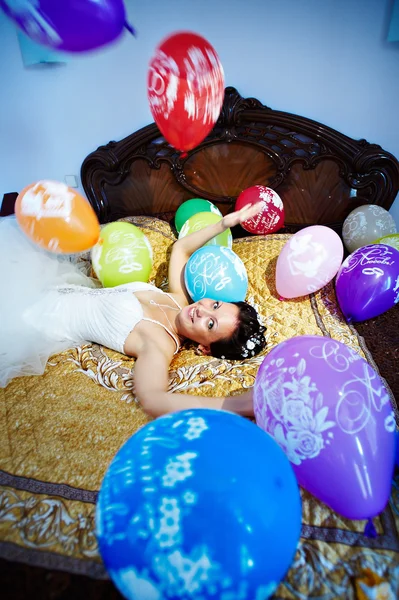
point(330, 412)
point(298, 418)
point(166, 496)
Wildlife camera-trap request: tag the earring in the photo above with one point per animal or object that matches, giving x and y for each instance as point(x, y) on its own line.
point(198, 351)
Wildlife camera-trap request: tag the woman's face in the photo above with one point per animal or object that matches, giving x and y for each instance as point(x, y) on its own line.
point(207, 321)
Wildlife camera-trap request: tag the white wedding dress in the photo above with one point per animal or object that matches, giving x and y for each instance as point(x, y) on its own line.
point(48, 304)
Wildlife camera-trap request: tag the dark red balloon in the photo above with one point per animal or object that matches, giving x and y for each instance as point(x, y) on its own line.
point(185, 89)
point(271, 217)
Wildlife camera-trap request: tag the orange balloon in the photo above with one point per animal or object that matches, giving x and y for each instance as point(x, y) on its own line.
point(57, 218)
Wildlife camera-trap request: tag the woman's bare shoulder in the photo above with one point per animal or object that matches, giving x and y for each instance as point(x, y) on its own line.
point(149, 336)
point(180, 299)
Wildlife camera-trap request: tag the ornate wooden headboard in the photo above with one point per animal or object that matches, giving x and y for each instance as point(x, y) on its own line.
point(320, 174)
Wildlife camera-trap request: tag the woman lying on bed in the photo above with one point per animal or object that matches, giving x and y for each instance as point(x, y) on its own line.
point(48, 305)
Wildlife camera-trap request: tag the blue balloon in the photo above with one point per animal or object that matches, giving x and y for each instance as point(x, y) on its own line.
point(198, 505)
point(216, 272)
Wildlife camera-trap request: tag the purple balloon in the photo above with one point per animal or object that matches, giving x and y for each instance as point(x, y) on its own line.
point(68, 25)
point(330, 412)
point(367, 283)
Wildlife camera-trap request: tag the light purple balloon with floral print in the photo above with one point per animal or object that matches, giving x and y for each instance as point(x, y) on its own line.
point(330, 412)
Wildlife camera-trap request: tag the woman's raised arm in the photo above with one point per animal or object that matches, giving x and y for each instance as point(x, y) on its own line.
point(186, 246)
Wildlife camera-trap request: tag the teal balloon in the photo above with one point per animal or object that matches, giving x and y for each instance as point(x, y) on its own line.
point(192, 207)
point(216, 272)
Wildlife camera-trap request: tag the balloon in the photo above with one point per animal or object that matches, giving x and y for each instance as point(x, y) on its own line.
point(198, 504)
point(216, 272)
point(270, 218)
point(68, 26)
point(367, 283)
point(308, 261)
point(192, 207)
point(56, 217)
point(202, 220)
point(330, 412)
point(123, 254)
point(389, 240)
point(185, 89)
point(365, 224)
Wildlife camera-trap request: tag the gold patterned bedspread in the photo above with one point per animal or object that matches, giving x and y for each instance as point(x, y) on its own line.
point(60, 431)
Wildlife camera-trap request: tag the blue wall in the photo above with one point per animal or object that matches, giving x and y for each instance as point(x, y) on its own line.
point(328, 60)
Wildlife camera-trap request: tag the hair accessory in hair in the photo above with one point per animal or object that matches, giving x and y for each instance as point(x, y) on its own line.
point(255, 340)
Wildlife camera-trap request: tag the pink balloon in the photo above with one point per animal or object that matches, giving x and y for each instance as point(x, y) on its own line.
point(330, 412)
point(308, 261)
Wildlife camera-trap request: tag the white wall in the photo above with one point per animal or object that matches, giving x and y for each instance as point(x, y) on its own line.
point(325, 59)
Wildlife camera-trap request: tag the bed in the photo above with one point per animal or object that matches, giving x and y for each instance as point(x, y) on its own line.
point(61, 430)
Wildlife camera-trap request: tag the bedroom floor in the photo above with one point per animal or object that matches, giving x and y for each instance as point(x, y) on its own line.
point(20, 582)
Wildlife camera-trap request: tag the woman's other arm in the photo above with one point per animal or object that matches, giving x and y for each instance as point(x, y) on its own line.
point(151, 380)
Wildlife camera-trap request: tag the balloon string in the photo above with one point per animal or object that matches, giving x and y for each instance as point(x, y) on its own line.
point(370, 531)
point(131, 29)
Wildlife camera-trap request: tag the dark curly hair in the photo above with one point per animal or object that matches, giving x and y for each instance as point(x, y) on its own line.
point(247, 340)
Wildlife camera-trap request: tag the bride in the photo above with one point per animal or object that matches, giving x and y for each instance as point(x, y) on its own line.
point(47, 304)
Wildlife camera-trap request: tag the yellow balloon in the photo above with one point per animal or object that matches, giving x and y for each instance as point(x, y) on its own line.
point(389, 240)
point(202, 220)
point(123, 254)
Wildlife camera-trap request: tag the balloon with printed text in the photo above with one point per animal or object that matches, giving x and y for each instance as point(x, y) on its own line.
point(56, 217)
point(68, 26)
point(123, 254)
point(216, 272)
point(185, 86)
point(270, 218)
point(331, 414)
point(367, 283)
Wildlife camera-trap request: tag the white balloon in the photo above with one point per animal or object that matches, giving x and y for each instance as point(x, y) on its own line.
point(365, 224)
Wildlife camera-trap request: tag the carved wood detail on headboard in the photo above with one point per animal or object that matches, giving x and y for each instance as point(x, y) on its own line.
point(320, 173)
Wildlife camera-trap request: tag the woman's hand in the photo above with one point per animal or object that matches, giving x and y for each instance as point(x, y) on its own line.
point(184, 247)
point(245, 213)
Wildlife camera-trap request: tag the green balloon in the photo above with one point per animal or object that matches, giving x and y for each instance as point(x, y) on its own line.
point(192, 207)
point(389, 240)
point(202, 220)
point(123, 254)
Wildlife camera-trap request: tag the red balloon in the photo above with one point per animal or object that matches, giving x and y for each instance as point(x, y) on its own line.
point(185, 89)
point(270, 218)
